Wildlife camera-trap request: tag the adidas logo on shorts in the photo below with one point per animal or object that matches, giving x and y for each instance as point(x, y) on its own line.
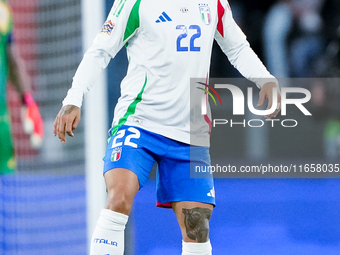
point(211, 193)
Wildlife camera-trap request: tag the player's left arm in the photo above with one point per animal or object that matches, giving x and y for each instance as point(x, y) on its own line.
point(234, 44)
point(31, 118)
point(266, 92)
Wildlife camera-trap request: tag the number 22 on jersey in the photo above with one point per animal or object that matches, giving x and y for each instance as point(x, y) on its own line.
point(181, 41)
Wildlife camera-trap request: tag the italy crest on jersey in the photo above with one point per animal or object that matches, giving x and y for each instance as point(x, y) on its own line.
point(116, 154)
point(205, 13)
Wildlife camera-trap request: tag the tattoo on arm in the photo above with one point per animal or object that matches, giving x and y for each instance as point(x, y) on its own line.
point(68, 111)
point(196, 221)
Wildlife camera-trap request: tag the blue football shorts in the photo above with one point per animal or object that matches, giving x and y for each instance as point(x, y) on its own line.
point(137, 150)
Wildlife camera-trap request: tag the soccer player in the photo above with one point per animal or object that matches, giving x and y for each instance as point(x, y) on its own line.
point(11, 65)
point(168, 42)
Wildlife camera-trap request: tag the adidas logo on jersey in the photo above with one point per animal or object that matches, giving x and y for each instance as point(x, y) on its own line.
point(211, 193)
point(163, 18)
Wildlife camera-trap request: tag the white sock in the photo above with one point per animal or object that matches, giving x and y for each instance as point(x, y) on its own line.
point(108, 236)
point(196, 248)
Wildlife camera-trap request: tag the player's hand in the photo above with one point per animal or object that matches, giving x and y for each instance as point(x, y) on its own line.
point(32, 122)
point(267, 92)
point(66, 121)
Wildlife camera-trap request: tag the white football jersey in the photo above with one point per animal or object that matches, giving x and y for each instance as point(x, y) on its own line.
point(168, 42)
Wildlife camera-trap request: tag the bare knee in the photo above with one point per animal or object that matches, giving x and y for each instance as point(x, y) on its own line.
point(196, 223)
point(119, 202)
point(122, 186)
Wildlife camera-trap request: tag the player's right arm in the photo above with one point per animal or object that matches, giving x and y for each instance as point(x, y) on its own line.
point(67, 120)
point(121, 24)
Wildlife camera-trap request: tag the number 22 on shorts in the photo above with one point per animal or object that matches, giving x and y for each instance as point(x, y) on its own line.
point(117, 141)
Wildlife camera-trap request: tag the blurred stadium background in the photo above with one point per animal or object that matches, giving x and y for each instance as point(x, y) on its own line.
point(52, 202)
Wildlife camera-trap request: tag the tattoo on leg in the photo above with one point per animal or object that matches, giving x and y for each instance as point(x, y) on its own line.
point(196, 221)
